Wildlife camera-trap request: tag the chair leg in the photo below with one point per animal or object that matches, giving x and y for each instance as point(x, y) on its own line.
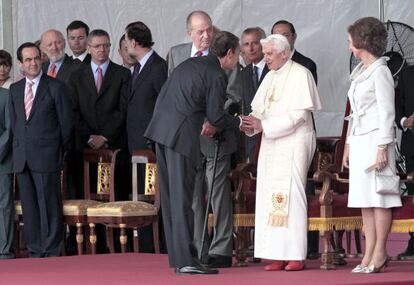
point(123, 237)
point(348, 242)
point(79, 238)
point(135, 234)
point(241, 240)
point(357, 235)
point(92, 238)
point(326, 257)
point(156, 237)
point(110, 239)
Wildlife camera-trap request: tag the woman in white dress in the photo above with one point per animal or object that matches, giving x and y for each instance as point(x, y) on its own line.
point(370, 140)
point(281, 110)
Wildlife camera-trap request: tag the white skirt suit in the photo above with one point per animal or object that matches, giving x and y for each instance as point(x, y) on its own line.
point(371, 123)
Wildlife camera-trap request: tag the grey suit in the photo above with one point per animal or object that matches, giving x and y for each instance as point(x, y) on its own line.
point(194, 91)
point(221, 243)
point(6, 177)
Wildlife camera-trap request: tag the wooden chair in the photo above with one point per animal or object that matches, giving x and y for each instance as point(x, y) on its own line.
point(74, 211)
point(130, 214)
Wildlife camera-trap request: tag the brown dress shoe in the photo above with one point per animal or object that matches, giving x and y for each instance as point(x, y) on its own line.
point(275, 266)
point(295, 265)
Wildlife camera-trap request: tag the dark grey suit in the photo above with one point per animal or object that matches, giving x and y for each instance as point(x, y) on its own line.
point(195, 90)
point(306, 62)
point(248, 91)
point(221, 243)
point(6, 178)
point(141, 100)
point(38, 146)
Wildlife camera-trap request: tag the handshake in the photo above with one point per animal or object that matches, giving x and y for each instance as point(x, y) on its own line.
point(250, 125)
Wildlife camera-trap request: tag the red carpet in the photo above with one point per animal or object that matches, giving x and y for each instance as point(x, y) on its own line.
point(124, 269)
point(151, 269)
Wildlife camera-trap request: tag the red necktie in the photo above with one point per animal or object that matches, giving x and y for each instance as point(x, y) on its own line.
point(99, 79)
point(52, 70)
point(28, 99)
point(198, 53)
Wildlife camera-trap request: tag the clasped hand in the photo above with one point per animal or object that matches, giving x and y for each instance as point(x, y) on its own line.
point(251, 124)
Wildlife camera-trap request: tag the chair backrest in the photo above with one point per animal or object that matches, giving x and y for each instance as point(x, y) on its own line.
point(148, 158)
point(104, 162)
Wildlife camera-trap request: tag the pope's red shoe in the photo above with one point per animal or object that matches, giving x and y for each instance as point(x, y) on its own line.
point(295, 265)
point(276, 266)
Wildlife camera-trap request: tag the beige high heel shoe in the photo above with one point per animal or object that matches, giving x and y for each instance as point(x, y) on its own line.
point(359, 269)
point(381, 268)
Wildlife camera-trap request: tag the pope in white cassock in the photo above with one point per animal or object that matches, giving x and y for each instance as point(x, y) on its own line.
point(282, 111)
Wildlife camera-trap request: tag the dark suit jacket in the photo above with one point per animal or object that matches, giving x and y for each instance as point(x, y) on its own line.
point(5, 134)
point(247, 88)
point(142, 96)
point(306, 62)
point(40, 140)
point(406, 108)
point(103, 113)
point(179, 54)
point(69, 66)
point(195, 90)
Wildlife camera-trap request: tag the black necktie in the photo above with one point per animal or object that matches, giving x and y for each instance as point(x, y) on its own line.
point(137, 67)
point(255, 77)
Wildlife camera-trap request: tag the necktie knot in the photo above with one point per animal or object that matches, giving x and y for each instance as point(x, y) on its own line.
point(52, 70)
point(198, 53)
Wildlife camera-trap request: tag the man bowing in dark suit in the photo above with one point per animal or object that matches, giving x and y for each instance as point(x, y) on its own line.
point(150, 73)
point(195, 90)
point(41, 122)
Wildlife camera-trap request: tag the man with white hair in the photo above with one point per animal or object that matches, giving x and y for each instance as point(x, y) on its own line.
point(281, 110)
point(60, 65)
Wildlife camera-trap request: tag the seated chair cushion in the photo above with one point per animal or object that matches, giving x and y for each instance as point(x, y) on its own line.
point(77, 207)
point(122, 209)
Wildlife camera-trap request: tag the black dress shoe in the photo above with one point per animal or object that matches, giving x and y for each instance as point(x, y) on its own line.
point(313, 255)
point(219, 261)
point(199, 269)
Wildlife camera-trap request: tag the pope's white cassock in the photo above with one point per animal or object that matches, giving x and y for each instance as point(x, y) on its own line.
point(283, 103)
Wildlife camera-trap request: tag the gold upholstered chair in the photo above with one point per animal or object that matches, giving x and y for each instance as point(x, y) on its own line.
point(130, 214)
point(74, 211)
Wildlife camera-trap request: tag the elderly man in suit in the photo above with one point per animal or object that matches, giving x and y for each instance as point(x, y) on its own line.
point(405, 121)
point(150, 73)
point(287, 29)
point(6, 178)
point(60, 65)
point(201, 31)
point(41, 122)
point(251, 76)
point(195, 90)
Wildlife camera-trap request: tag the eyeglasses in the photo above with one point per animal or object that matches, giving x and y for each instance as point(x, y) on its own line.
point(105, 46)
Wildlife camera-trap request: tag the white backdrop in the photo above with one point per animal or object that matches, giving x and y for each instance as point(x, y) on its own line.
point(320, 25)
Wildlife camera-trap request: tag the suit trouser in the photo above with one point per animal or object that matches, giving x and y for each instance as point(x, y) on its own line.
point(6, 216)
point(221, 203)
point(176, 185)
point(41, 198)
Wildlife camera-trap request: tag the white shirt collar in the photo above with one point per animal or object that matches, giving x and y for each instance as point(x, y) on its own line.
point(145, 58)
point(81, 57)
point(194, 50)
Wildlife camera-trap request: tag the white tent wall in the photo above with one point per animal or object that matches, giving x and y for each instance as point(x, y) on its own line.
point(320, 25)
